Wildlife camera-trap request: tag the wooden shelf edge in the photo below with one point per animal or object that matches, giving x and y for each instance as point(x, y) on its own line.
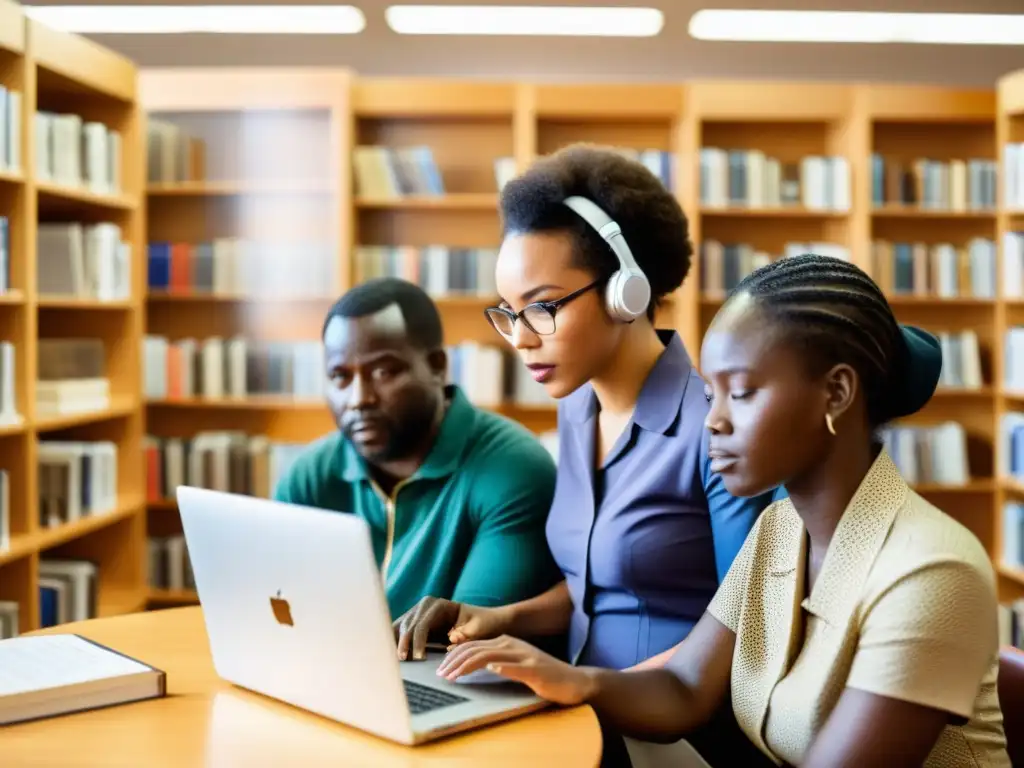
point(239, 188)
point(8, 176)
point(468, 201)
point(61, 192)
point(159, 596)
point(119, 408)
point(72, 302)
point(42, 539)
point(778, 213)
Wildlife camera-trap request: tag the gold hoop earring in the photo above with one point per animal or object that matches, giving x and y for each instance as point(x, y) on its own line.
point(829, 424)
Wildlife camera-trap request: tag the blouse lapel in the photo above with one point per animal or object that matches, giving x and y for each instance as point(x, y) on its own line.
point(772, 622)
point(858, 538)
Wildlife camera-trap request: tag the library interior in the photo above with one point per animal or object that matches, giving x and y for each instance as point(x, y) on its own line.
point(209, 181)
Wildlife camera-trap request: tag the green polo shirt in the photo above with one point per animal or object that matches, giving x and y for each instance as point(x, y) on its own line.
point(467, 526)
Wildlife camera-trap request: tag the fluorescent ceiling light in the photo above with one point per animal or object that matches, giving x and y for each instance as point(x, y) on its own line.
point(858, 27)
point(523, 20)
point(182, 19)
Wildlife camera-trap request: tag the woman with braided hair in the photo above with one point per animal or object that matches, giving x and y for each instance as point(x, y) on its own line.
point(857, 625)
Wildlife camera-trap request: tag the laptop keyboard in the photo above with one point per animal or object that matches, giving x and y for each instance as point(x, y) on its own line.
point(424, 699)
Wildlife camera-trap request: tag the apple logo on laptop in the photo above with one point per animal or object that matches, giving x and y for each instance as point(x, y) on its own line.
point(282, 611)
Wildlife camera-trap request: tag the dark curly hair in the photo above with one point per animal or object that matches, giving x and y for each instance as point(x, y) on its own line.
point(835, 313)
point(650, 217)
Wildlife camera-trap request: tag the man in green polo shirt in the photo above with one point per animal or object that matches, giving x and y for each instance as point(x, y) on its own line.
point(456, 497)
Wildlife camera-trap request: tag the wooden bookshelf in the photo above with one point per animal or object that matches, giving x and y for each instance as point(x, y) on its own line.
point(257, 156)
point(1009, 314)
point(473, 129)
point(65, 74)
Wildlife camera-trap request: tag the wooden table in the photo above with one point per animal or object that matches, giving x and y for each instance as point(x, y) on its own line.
point(206, 722)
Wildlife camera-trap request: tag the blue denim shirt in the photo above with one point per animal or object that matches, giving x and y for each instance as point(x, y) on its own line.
point(645, 540)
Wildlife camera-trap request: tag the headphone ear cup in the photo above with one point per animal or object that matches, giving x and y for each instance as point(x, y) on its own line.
point(629, 295)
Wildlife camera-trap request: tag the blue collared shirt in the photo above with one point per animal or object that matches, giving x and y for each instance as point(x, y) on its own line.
point(645, 540)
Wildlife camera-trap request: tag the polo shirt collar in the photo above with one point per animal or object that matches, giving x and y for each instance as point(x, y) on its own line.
point(446, 452)
point(658, 406)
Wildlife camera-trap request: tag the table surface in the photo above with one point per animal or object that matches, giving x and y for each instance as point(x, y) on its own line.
point(204, 721)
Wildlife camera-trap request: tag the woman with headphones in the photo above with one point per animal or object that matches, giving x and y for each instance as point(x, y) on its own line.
point(641, 528)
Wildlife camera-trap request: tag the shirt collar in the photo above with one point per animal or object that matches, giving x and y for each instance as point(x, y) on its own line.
point(657, 407)
point(858, 538)
point(444, 455)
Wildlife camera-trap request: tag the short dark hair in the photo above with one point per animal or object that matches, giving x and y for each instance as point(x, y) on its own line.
point(835, 313)
point(422, 320)
point(651, 219)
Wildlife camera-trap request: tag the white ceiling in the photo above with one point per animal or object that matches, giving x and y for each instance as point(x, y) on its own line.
point(671, 56)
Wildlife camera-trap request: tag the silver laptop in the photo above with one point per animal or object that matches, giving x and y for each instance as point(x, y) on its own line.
point(295, 609)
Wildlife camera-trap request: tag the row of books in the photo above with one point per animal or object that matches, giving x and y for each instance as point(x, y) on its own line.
point(77, 479)
point(10, 129)
point(1010, 453)
point(939, 185)
point(10, 622)
point(67, 591)
point(961, 360)
point(221, 460)
point(236, 367)
point(658, 161)
point(440, 270)
point(71, 376)
point(74, 152)
point(1013, 534)
point(394, 172)
point(171, 154)
point(169, 563)
point(1013, 164)
point(1013, 359)
point(5, 254)
point(1013, 265)
point(83, 261)
point(5, 510)
point(748, 178)
point(938, 269)
point(1011, 624)
point(933, 454)
point(8, 396)
point(491, 376)
point(723, 266)
point(236, 266)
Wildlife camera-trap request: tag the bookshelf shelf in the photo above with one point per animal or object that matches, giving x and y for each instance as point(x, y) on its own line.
point(11, 177)
point(242, 188)
point(470, 201)
point(56, 196)
point(774, 213)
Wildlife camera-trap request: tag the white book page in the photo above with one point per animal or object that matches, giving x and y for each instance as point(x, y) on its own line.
point(50, 661)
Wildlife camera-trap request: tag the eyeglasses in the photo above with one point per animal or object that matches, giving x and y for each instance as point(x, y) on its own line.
point(539, 316)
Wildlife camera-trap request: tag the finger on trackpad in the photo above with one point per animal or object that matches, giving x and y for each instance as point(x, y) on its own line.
point(482, 677)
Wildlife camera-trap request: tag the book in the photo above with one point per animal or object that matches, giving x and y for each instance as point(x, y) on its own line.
point(50, 675)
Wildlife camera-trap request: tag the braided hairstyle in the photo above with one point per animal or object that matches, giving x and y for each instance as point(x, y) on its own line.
point(835, 314)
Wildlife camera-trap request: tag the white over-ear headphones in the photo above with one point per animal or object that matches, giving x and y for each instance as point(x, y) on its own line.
point(628, 294)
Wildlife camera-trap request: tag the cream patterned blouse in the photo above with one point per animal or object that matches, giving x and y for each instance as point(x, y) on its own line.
point(904, 606)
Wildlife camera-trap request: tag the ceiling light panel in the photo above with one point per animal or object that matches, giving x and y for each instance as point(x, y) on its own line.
point(530, 20)
point(185, 19)
point(857, 27)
